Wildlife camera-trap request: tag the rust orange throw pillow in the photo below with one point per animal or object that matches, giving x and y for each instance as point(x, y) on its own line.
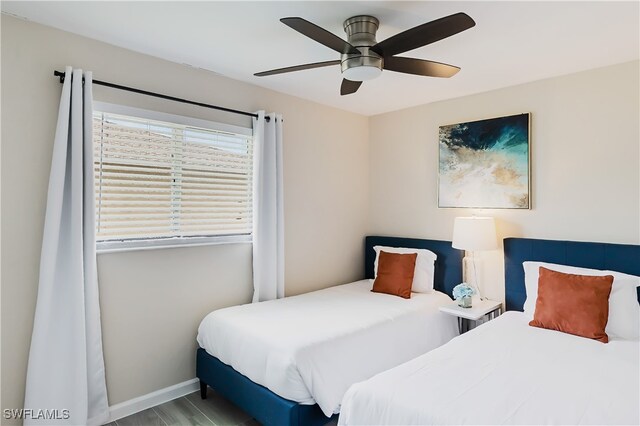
point(574, 304)
point(395, 274)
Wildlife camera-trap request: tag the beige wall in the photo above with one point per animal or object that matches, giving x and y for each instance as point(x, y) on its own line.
point(585, 161)
point(153, 301)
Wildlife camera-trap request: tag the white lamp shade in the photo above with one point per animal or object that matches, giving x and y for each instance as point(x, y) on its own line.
point(474, 233)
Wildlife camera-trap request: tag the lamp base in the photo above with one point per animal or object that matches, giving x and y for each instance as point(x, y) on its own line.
point(471, 271)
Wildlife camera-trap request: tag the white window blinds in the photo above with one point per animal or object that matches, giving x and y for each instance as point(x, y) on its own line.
point(157, 180)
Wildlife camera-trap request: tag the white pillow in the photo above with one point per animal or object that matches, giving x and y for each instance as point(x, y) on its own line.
point(624, 310)
point(425, 266)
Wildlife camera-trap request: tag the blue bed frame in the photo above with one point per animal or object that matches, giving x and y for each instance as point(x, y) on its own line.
point(273, 410)
point(615, 257)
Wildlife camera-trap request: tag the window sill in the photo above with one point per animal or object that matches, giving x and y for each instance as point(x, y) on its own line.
point(165, 243)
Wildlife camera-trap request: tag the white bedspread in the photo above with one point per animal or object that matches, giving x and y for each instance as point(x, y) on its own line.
point(310, 348)
point(505, 372)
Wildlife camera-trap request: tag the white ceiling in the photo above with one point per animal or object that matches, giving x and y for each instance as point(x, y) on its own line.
point(512, 42)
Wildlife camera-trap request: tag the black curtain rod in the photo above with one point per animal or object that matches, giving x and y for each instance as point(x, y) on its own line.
point(161, 96)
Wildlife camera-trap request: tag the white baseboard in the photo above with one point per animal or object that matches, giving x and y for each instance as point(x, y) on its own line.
point(152, 399)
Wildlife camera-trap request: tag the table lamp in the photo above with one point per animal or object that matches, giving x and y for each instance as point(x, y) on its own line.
point(474, 234)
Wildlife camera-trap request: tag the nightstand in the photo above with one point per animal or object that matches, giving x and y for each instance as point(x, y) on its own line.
point(489, 308)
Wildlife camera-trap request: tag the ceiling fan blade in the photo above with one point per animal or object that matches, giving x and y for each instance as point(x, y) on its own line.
point(419, 67)
point(320, 35)
point(348, 86)
point(424, 34)
point(297, 68)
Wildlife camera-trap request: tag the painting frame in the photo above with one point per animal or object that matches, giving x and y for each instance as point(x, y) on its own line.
point(509, 192)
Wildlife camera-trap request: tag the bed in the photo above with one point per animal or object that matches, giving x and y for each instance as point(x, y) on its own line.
point(289, 361)
point(507, 372)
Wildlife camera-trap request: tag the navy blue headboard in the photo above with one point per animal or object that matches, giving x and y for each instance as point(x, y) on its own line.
point(448, 271)
point(614, 257)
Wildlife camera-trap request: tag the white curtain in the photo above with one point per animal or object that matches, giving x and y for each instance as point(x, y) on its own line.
point(66, 367)
point(268, 219)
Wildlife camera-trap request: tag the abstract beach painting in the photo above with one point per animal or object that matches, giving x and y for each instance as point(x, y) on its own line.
point(485, 163)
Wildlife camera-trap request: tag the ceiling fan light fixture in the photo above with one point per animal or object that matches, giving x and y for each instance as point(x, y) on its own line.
point(366, 66)
point(362, 58)
point(361, 73)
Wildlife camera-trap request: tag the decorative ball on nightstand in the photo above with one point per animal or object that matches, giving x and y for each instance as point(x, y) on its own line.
point(462, 294)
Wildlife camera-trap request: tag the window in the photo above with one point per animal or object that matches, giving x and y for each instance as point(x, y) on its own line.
point(166, 182)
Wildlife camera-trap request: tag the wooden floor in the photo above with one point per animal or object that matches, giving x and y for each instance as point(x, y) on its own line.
point(193, 410)
point(190, 410)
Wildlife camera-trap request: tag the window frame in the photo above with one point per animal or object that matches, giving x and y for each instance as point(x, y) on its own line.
point(112, 246)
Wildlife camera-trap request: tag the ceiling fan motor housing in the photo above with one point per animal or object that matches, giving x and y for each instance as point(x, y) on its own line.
point(361, 33)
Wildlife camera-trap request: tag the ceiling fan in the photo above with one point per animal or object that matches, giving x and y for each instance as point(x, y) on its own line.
point(363, 58)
